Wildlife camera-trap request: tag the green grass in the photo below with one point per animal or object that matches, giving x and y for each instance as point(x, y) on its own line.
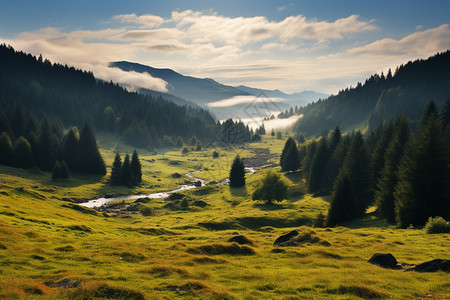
point(184, 253)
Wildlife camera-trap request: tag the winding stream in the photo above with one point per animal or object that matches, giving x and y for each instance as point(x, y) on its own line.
point(102, 201)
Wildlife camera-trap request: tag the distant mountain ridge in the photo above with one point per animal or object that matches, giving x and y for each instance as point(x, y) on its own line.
point(205, 91)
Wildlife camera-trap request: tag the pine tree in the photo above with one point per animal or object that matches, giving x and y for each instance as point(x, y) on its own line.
point(115, 178)
point(289, 159)
point(125, 172)
point(423, 187)
point(237, 173)
point(272, 188)
point(272, 133)
point(22, 154)
point(334, 164)
point(70, 149)
point(47, 147)
point(64, 170)
point(91, 160)
point(5, 149)
point(287, 144)
point(56, 170)
point(136, 169)
point(379, 150)
point(429, 111)
point(318, 166)
point(342, 201)
point(357, 167)
point(384, 195)
point(445, 114)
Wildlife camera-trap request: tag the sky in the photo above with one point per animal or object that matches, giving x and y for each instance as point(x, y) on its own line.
point(324, 46)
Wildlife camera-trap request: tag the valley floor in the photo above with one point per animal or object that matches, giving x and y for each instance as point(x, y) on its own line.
point(52, 248)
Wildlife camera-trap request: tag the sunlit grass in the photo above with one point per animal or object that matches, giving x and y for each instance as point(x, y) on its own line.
point(185, 253)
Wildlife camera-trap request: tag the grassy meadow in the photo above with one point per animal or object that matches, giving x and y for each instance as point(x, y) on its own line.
point(184, 253)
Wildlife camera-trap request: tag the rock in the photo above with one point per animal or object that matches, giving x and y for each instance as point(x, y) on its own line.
point(286, 237)
point(199, 203)
point(433, 266)
point(108, 196)
point(385, 261)
point(241, 239)
point(212, 183)
point(174, 196)
point(175, 175)
point(198, 183)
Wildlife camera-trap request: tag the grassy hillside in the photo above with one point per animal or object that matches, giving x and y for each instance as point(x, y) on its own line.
point(183, 253)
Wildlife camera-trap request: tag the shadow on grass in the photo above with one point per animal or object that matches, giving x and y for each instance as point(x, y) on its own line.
point(272, 206)
point(372, 219)
point(239, 192)
point(295, 177)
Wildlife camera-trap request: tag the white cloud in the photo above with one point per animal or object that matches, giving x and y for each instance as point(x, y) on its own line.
point(147, 21)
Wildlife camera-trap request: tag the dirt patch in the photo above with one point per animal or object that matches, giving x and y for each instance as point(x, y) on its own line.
point(261, 158)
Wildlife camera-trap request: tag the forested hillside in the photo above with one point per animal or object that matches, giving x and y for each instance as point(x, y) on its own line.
point(381, 98)
point(76, 97)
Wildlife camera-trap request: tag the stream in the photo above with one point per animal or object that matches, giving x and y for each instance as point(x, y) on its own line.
point(102, 201)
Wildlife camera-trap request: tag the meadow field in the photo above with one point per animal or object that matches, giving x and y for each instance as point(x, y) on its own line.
point(52, 248)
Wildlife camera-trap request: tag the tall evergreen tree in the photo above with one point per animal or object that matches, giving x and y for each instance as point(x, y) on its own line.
point(423, 187)
point(290, 160)
point(356, 166)
point(91, 160)
point(430, 110)
point(125, 172)
point(70, 148)
point(384, 195)
point(379, 150)
point(342, 201)
point(136, 169)
point(56, 170)
point(445, 113)
point(334, 139)
point(237, 173)
point(47, 147)
point(115, 178)
point(22, 154)
point(287, 145)
point(334, 164)
point(5, 149)
point(64, 170)
point(318, 166)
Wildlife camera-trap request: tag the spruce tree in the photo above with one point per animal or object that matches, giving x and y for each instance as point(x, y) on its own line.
point(22, 154)
point(237, 173)
point(91, 160)
point(318, 166)
point(357, 167)
point(136, 169)
point(115, 178)
point(342, 201)
point(5, 149)
point(445, 114)
point(430, 110)
point(289, 159)
point(70, 149)
point(334, 139)
point(423, 187)
point(125, 172)
point(334, 164)
point(47, 147)
point(56, 170)
point(384, 195)
point(64, 170)
point(287, 144)
point(379, 150)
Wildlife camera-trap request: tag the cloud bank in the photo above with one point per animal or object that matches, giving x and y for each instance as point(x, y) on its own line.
point(292, 54)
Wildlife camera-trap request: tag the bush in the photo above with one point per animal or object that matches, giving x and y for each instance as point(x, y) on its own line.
point(437, 225)
point(147, 211)
point(320, 220)
point(272, 189)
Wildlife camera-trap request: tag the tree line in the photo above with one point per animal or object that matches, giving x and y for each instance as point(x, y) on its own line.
point(26, 142)
point(381, 98)
point(128, 173)
point(405, 173)
point(75, 97)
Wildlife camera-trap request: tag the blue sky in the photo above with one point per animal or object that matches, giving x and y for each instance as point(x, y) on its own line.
point(290, 45)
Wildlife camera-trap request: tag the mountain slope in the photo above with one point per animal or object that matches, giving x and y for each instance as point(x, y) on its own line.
point(76, 97)
point(381, 98)
point(200, 91)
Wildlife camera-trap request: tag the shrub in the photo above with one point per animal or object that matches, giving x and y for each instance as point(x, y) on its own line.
point(437, 225)
point(147, 211)
point(272, 189)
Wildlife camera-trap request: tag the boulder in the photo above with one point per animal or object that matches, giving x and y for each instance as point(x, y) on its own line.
point(433, 266)
point(241, 239)
point(198, 183)
point(285, 238)
point(175, 175)
point(384, 260)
